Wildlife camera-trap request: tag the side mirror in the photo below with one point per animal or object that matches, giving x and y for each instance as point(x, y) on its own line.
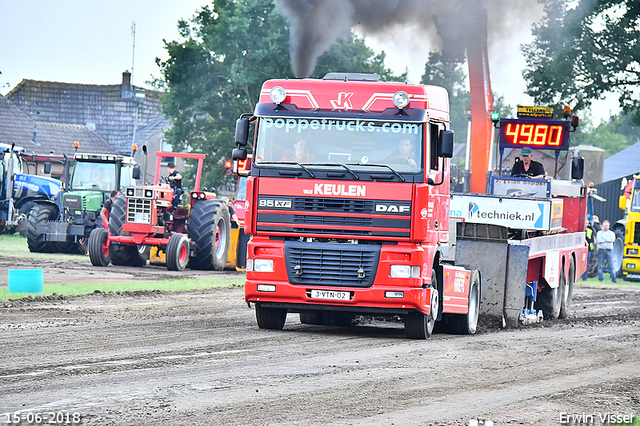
point(622, 203)
point(239, 154)
point(577, 168)
point(242, 131)
point(47, 168)
point(445, 144)
point(136, 172)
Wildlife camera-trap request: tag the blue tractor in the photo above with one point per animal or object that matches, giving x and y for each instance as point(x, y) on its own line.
point(19, 191)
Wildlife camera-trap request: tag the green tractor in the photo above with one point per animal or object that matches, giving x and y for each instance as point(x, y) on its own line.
point(63, 225)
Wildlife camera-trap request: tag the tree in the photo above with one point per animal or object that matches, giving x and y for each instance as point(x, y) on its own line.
point(582, 51)
point(613, 135)
point(215, 72)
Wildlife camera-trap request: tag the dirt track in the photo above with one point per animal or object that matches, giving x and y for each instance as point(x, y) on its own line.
point(199, 358)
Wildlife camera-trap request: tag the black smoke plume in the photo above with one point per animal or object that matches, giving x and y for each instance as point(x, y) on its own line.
point(316, 24)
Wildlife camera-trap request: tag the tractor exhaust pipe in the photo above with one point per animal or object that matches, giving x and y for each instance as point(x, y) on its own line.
point(144, 164)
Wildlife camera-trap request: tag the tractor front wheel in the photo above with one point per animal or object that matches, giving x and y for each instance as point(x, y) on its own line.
point(99, 250)
point(178, 250)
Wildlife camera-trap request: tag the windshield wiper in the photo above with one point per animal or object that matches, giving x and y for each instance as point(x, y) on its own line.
point(291, 162)
point(355, 176)
point(383, 165)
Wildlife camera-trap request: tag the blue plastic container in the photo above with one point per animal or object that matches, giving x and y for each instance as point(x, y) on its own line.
point(26, 281)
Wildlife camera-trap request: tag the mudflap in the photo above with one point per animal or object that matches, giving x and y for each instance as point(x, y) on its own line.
point(515, 284)
point(490, 258)
point(503, 269)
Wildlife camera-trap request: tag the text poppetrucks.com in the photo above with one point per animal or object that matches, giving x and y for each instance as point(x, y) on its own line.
point(576, 419)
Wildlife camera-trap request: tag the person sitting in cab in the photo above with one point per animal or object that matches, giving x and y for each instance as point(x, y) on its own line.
point(403, 154)
point(175, 182)
point(527, 167)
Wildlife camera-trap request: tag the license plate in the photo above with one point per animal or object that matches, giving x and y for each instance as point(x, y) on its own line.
point(142, 217)
point(328, 294)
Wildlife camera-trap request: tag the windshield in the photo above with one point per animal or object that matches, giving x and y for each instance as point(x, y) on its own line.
point(353, 142)
point(101, 176)
point(635, 201)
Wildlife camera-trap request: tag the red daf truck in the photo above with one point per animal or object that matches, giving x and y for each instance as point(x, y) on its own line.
point(348, 205)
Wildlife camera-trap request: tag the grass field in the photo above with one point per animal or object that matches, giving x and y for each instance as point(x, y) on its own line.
point(16, 246)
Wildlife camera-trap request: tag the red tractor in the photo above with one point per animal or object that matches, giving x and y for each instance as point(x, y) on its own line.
point(196, 234)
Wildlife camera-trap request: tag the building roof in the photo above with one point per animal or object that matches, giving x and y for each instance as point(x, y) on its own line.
point(111, 110)
point(623, 163)
point(144, 134)
point(54, 138)
point(42, 138)
point(15, 126)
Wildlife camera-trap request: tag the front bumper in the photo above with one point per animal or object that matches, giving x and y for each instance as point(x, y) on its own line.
point(369, 301)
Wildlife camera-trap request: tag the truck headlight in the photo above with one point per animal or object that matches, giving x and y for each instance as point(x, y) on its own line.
point(260, 265)
point(404, 271)
point(632, 251)
point(631, 266)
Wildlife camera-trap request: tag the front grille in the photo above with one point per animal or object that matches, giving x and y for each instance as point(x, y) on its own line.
point(351, 265)
point(333, 205)
point(636, 233)
point(138, 210)
point(333, 220)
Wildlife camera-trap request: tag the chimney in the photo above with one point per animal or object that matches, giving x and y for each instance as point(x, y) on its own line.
point(125, 87)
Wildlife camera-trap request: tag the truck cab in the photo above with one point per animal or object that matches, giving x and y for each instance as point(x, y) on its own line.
point(348, 202)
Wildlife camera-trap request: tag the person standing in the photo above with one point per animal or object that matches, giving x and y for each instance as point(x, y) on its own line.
point(605, 239)
point(590, 237)
point(105, 211)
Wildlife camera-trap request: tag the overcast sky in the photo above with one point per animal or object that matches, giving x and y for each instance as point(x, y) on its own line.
point(90, 42)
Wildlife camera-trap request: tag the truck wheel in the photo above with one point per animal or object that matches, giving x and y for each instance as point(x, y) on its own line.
point(99, 250)
point(177, 252)
point(311, 317)
point(468, 323)
point(549, 301)
point(40, 215)
point(210, 230)
point(567, 290)
point(337, 319)
point(270, 318)
point(418, 325)
point(618, 251)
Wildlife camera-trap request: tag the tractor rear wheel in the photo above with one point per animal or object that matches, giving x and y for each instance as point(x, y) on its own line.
point(40, 215)
point(72, 247)
point(99, 247)
point(122, 254)
point(210, 230)
point(178, 252)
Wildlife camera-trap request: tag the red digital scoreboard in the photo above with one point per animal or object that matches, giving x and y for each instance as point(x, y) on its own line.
point(534, 133)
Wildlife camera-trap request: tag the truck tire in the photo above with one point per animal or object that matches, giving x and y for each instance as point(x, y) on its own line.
point(123, 254)
point(177, 252)
point(468, 323)
point(567, 290)
point(311, 317)
point(337, 319)
point(418, 325)
point(270, 318)
point(40, 214)
point(99, 248)
point(618, 250)
point(209, 229)
point(549, 301)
